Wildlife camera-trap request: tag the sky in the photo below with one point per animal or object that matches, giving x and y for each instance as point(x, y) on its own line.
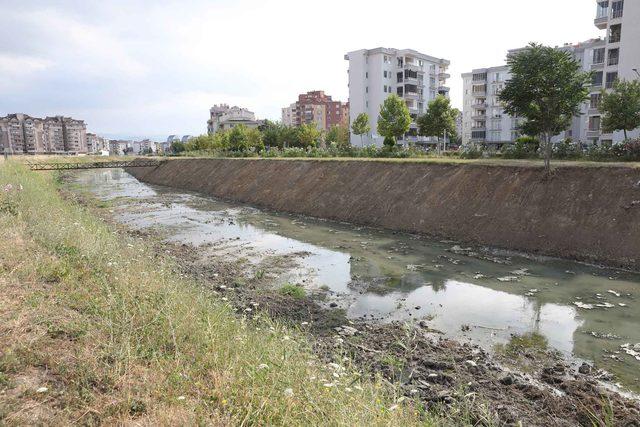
point(150, 68)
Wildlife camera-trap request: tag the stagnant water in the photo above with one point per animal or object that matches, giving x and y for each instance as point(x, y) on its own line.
point(483, 296)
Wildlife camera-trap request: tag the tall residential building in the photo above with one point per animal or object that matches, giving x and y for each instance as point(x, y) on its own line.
point(318, 108)
point(20, 133)
point(618, 58)
point(96, 144)
point(375, 74)
point(222, 117)
point(484, 120)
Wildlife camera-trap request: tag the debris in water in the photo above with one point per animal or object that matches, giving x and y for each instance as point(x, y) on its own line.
point(614, 293)
point(632, 350)
point(508, 279)
point(605, 336)
point(605, 305)
point(479, 276)
point(521, 272)
point(583, 305)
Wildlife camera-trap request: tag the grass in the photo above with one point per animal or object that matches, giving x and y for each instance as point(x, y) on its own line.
point(116, 338)
point(292, 291)
point(429, 159)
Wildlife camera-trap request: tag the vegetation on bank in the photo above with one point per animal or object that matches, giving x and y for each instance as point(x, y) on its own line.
point(96, 328)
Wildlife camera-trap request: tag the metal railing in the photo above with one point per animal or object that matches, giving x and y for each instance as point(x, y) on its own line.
point(137, 163)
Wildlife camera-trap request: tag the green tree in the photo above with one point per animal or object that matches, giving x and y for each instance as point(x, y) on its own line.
point(440, 119)
point(361, 126)
point(238, 139)
point(339, 135)
point(308, 135)
point(177, 147)
point(546, 89)
point(271, 133)
point(254, 139)
point(621, 108)
point(394, 119)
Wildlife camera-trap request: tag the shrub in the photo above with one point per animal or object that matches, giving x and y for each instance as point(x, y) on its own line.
point(566, 150)
point(524, 148)
point(471, 152)
point(293, 291)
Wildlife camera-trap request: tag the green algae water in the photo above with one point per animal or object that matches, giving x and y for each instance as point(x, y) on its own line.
point(480, 295)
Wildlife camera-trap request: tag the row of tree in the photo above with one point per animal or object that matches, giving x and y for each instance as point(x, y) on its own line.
point(394, 120)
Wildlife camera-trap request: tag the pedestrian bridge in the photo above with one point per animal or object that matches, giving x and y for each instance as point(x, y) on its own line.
point(136, 163)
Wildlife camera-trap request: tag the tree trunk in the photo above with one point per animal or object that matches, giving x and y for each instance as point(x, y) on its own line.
point(625, 134)
point(547, 154)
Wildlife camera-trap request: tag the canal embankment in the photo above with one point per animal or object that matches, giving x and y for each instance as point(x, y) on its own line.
point(590, 213)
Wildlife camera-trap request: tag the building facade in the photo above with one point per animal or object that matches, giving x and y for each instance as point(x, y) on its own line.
point(96, 144)
point(318, 108)
point(618, 58)
point(23, 134)
point(222, 118)
point(375, 74)
point(484, 120)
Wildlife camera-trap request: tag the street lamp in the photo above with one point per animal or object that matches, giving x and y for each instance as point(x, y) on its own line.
point(636, 71)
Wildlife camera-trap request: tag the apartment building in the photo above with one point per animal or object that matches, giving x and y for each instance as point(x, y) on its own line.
point(375, 74)
point(23, 134)
point(618, 58)
point(318, 108)
point(484, 119)
point(222, 118)
point(96, 144)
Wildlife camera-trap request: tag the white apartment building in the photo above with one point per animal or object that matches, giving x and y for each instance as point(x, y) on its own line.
point(374, 74)
point(223, 117)
point(484, 120)
point(618, 58)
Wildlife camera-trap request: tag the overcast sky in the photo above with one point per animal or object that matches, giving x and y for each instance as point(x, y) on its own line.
point(154, 67)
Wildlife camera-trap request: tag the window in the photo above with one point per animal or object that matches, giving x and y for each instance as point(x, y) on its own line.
point(614, 55)
point(617, 8)
point(598, 56)
point(366, 89)
point(385, 89)
point(385, 74)
point(478, 77)
point(366, 75)
point(597, 79)
point(595, 100)
point(603, 9)
point(611, 79)
point(615, 33)
point(594, 123)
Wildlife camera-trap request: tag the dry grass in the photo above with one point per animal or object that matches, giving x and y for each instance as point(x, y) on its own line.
point(116, 338)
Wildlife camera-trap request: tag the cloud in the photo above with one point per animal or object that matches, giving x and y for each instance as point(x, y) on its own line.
point(156, 67)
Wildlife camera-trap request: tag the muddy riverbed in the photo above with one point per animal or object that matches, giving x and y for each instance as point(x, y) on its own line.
point(479, 296)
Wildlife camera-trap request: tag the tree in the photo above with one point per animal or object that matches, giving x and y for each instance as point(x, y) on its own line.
point(394, 119)
point(339, 135)
point(308, 135)
point(177, 147)
point(621, 108)
point(271, 133)
point(439, 119)
point(546, 89)
point(360, 126)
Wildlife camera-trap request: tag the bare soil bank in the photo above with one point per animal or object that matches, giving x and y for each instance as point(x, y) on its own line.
point(590, 214)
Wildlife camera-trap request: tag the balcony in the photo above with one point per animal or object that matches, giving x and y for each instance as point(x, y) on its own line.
point(593, 111)
point(597, 65)
point(601, 22)
point(444, 76)
point(593, 133)
point(479, 117)
point(480, 106)
point(443, 89)
point(412, 81)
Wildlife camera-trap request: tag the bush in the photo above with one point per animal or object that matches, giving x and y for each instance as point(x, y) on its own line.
point(292, 291)
point(566, 150)
point(471, 152)
point(525, 147)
